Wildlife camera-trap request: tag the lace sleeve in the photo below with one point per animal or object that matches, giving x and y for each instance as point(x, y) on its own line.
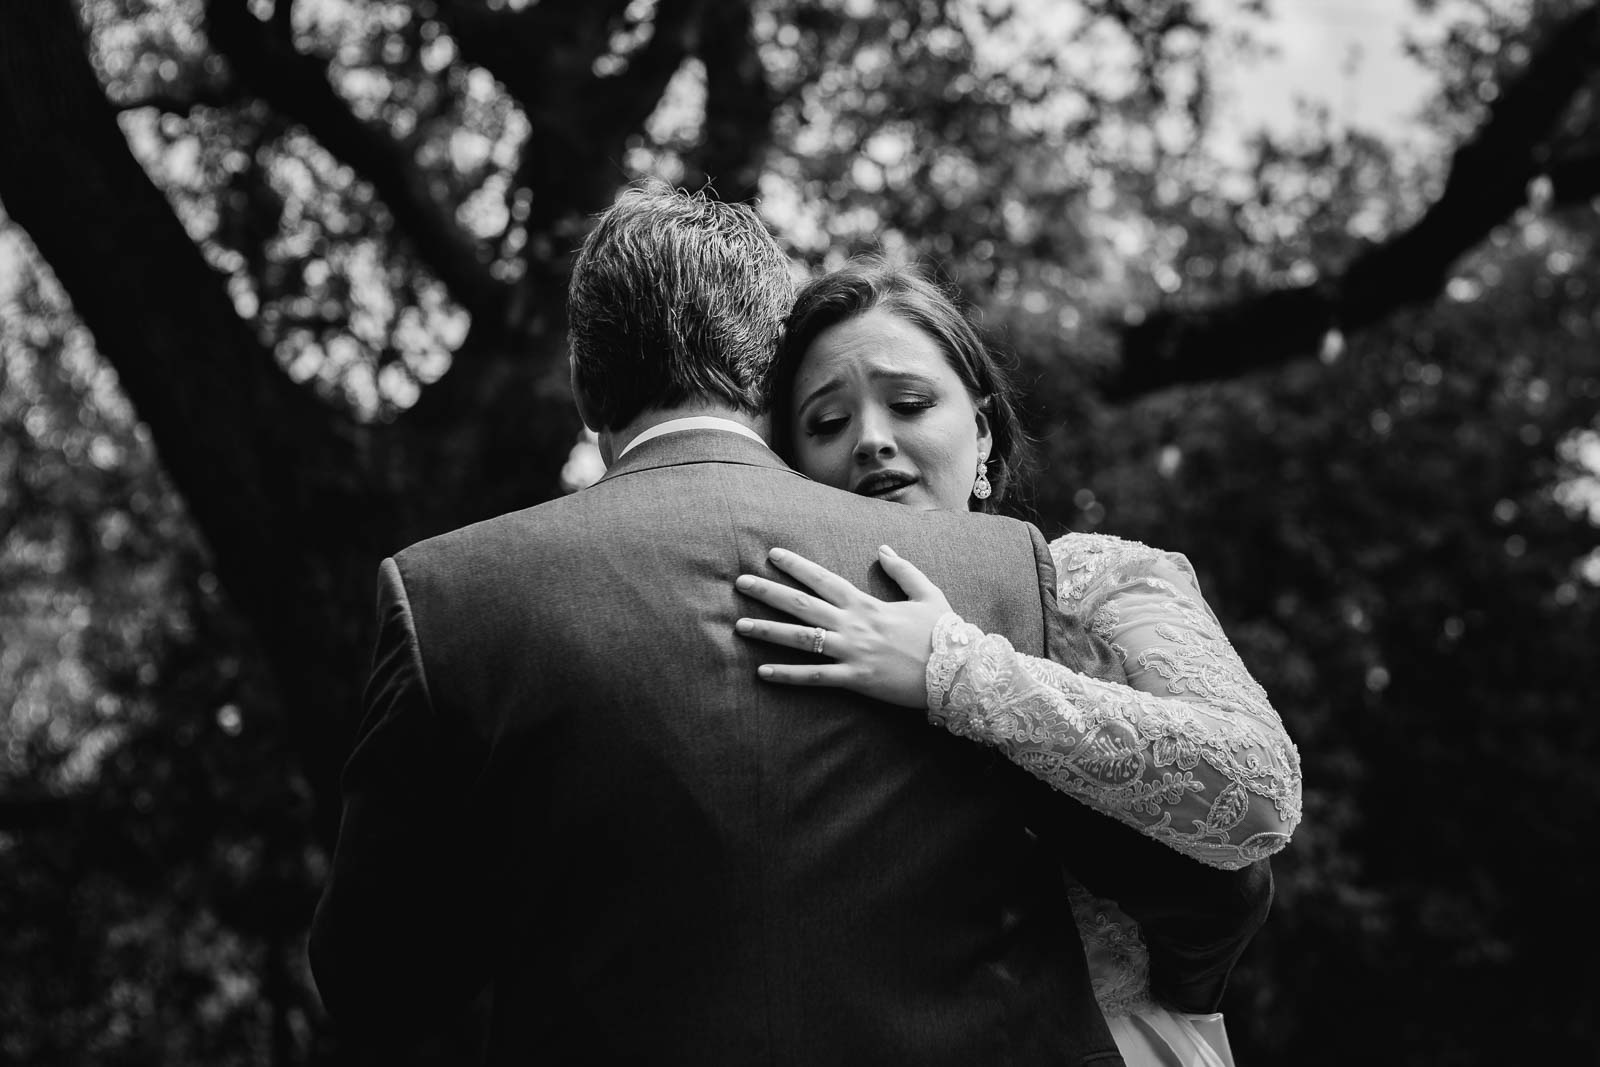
point(1190, 752)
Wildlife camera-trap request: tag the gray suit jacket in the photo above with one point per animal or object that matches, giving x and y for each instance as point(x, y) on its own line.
point(573, 797)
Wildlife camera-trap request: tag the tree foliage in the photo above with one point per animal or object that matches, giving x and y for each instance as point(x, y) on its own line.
point(287, 295)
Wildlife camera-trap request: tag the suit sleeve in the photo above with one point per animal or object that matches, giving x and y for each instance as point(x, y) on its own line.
point(1196, 920)
point(398, 943)
point(1069, 640)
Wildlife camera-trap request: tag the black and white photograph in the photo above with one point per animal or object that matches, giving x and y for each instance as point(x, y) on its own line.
point(810, 533)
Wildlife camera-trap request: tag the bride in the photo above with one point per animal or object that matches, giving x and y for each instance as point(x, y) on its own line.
point(884, 389)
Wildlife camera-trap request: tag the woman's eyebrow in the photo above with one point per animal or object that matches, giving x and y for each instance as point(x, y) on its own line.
point(877, 374)
point(833, 385)
point(887, 374)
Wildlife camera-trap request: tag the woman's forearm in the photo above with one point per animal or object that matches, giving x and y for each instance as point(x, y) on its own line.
point(1218, 786)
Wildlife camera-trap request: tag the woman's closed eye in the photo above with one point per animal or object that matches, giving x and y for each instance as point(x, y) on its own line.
point(829, 423)
point(825, 425)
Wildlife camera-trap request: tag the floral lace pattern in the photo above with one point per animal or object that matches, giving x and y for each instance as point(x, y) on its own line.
point(1119, 963)
point(1190, 752)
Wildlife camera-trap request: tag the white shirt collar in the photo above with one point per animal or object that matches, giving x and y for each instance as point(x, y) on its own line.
point(691, 422)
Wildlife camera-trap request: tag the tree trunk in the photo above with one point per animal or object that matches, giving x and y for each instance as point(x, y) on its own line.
point(296, 501)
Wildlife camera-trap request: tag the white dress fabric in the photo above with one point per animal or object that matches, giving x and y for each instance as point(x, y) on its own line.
point(1190, 752)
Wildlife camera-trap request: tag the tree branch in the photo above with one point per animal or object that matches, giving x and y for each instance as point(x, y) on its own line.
point(1487, 183)
point(679, 24)
point(184, 104)
point(539, 53)
point(1574, 180)
point(25, 812)
point(297, 86)
point(545, 56)
point(283, 21)
point(580, 123)
point(739, 104)
point(157, 311)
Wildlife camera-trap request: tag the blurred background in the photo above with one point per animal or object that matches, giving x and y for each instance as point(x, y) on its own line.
point(1307, 291)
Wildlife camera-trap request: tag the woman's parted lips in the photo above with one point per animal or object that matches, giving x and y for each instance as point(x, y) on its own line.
point(878, 483)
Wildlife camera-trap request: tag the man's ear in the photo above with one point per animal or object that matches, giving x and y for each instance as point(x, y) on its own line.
point(586, 410)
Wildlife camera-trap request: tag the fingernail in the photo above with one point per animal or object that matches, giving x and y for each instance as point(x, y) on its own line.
point(776, 553)
point(886, 550)
point(744, 581)
point(744, 626)
point(765, 672)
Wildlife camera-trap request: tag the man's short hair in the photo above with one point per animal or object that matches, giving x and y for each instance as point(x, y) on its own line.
point(675, 298)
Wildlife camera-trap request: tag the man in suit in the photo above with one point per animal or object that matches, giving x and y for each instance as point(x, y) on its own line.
point(574, 805)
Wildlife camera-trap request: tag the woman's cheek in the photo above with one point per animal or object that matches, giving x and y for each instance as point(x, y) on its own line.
point(832, 462)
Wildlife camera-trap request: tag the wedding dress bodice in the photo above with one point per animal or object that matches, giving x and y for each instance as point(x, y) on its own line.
point(1190, 752)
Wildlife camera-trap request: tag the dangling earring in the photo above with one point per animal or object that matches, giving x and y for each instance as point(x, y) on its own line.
point(980, 486)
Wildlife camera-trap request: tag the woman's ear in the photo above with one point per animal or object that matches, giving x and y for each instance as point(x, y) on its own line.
point(985, 435)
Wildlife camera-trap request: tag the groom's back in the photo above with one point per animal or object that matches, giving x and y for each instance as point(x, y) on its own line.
point(700, 868)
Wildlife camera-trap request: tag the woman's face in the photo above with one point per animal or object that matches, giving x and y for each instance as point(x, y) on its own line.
point(879, 411)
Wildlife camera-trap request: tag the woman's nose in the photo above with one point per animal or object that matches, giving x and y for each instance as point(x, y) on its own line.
point(875, 442)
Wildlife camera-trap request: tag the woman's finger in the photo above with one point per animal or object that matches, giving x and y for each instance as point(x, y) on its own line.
point(830, 674)
point(800, 604)
point(787, 634)
point(826, 584)
point(915, 584)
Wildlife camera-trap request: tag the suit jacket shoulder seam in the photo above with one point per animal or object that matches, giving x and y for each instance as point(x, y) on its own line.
point(391, 570)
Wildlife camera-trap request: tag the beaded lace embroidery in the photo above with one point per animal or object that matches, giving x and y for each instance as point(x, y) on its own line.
point(1119, 964)
point(1190, 752)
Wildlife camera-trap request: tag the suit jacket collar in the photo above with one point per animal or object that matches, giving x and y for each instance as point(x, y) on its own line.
point(696, 446)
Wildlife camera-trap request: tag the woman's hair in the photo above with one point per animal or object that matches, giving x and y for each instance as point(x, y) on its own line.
point(868, 283)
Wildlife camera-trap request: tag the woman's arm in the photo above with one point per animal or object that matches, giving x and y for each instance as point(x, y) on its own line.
point(1190, 753)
